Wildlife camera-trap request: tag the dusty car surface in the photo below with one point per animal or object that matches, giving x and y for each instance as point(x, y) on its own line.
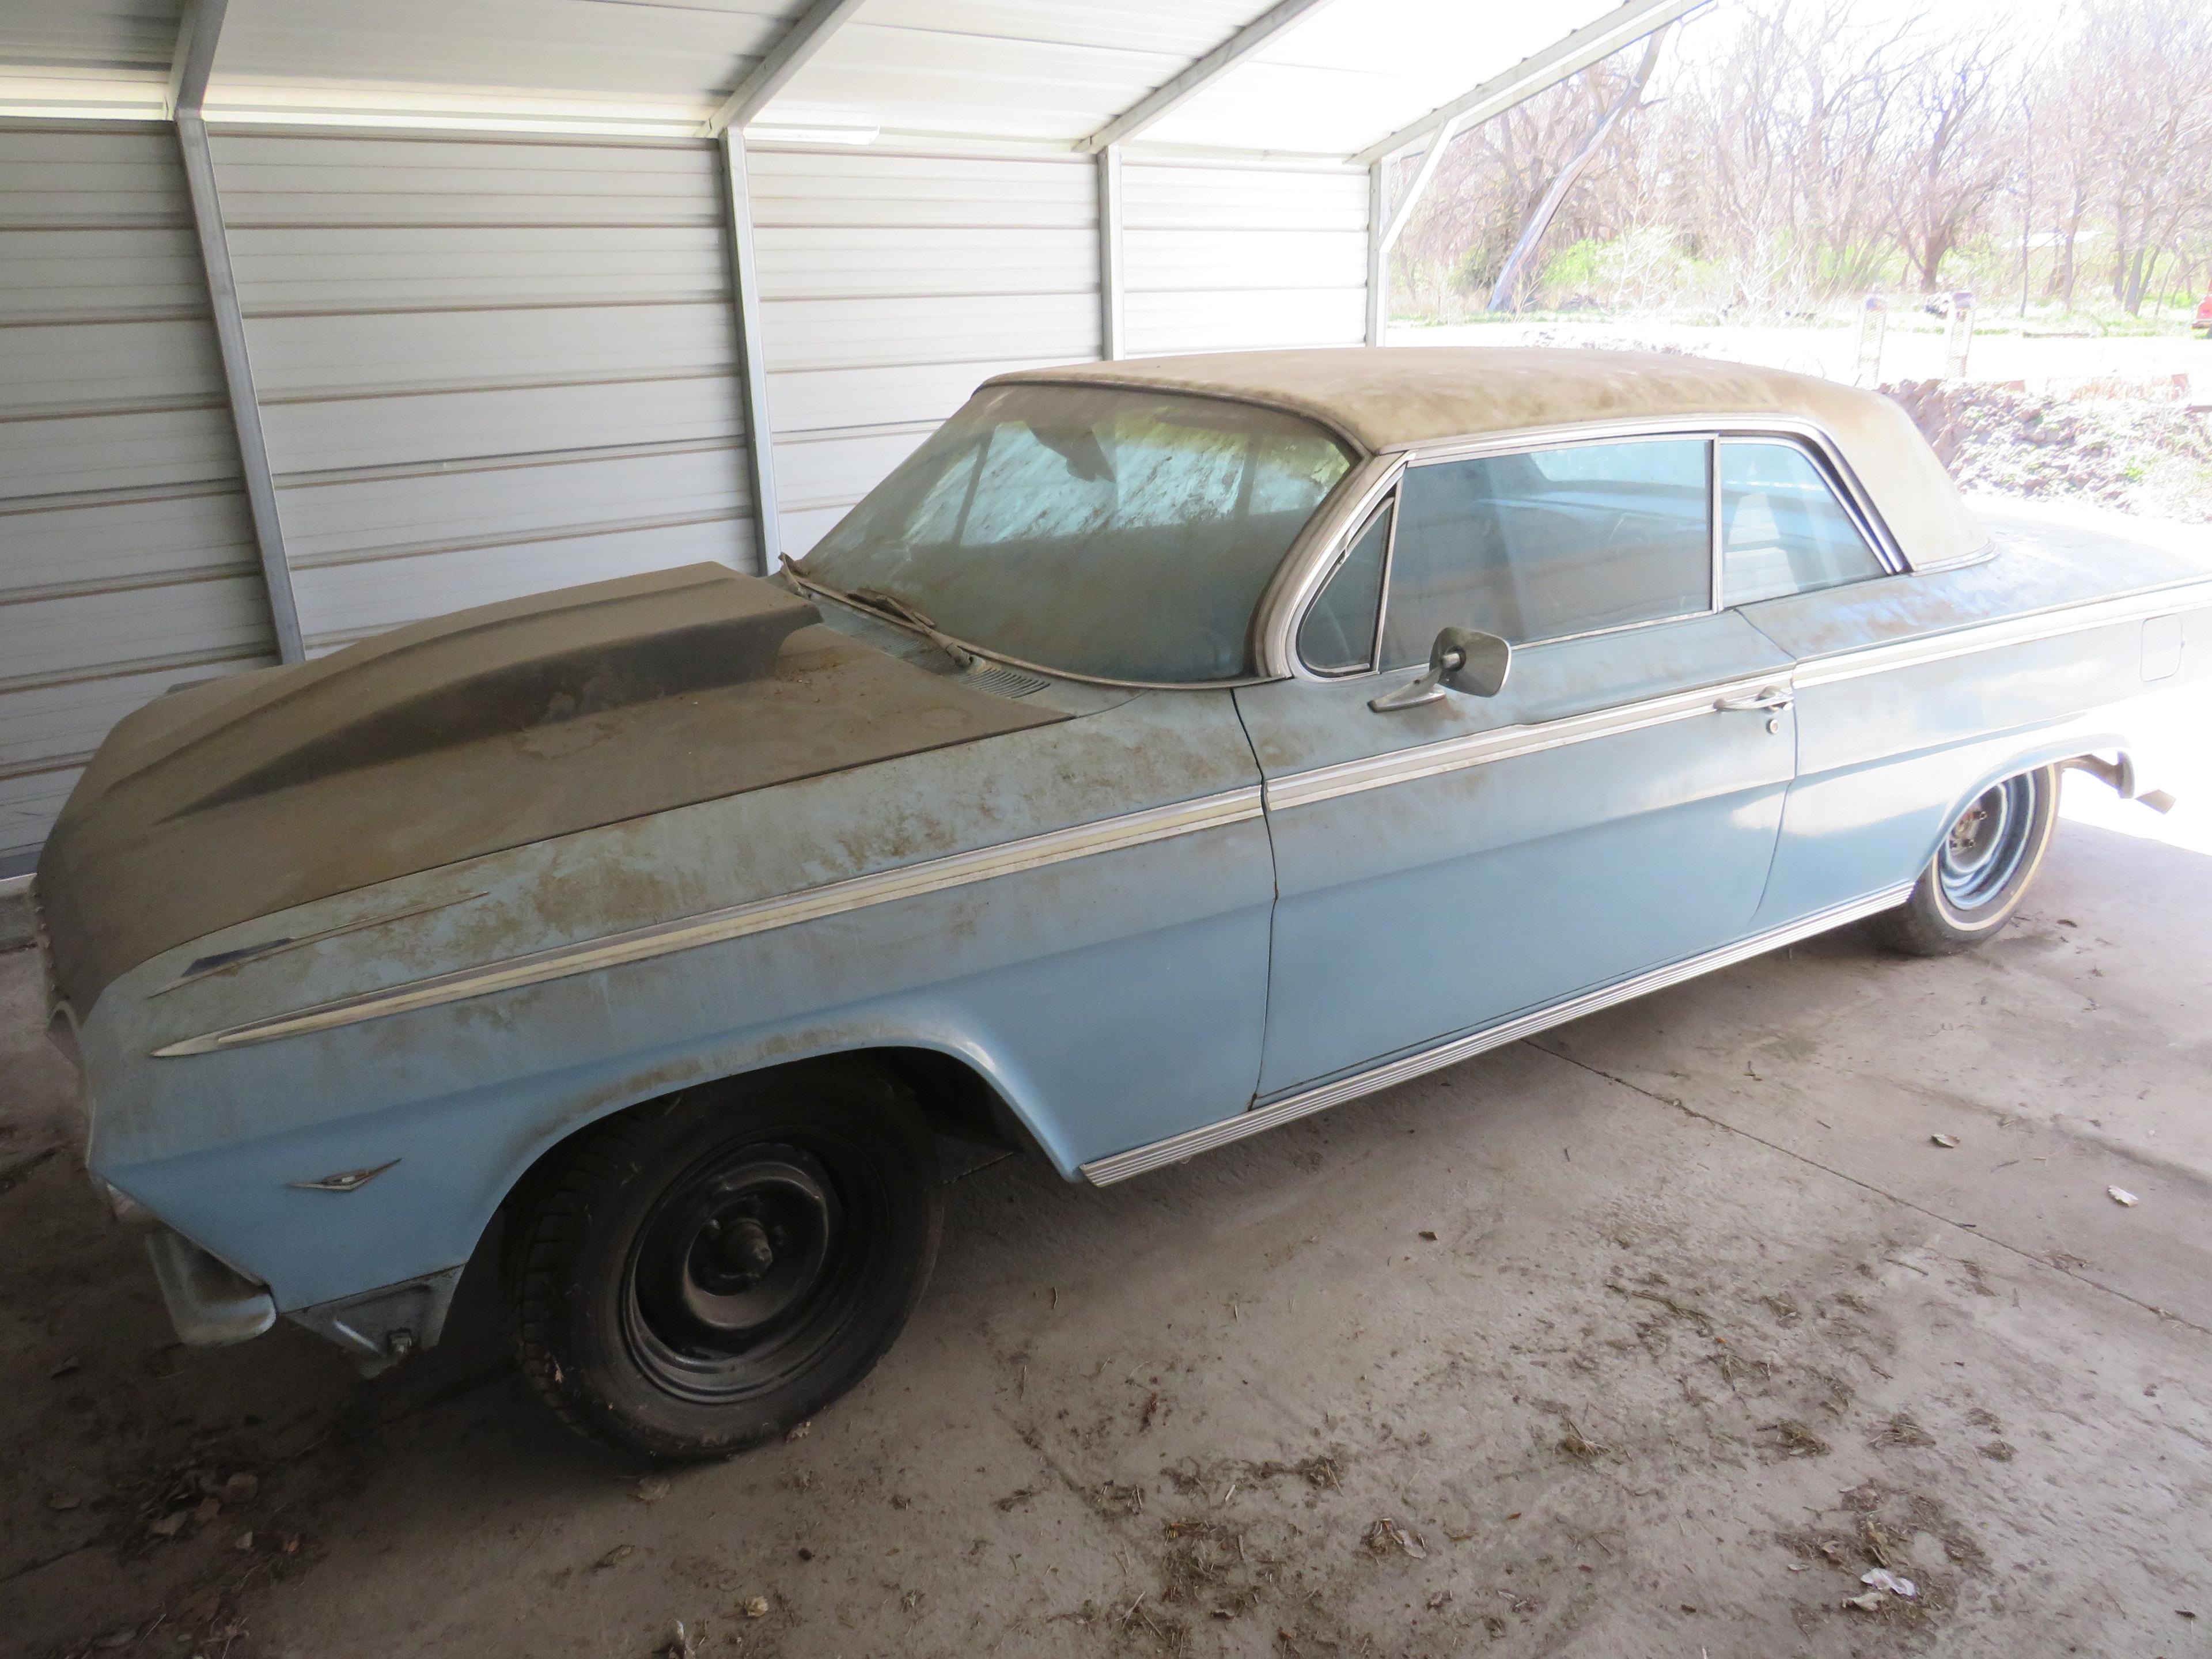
point(1165, 751)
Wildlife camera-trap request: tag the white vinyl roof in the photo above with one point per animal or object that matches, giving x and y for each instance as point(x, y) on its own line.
point(1337, 78)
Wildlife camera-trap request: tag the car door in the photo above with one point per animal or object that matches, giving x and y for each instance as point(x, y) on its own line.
point(1614, 808)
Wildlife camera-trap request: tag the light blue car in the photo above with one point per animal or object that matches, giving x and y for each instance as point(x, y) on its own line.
point(1165, 751)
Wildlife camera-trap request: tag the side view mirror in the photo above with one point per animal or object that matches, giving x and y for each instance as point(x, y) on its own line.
point(1461, 659)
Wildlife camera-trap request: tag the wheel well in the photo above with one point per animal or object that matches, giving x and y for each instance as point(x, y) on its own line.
point(956, 1099)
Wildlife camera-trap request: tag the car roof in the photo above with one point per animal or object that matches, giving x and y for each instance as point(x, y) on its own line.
point(1397, 398)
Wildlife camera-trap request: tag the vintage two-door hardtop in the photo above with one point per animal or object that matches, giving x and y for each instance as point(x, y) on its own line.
point(1166, 751)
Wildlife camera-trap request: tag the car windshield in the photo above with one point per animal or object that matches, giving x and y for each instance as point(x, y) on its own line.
point(1120, 534)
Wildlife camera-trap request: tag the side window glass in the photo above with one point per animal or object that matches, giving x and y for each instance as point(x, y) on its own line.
point(1539, 545)
point(1338, 630)
point(1783, 530)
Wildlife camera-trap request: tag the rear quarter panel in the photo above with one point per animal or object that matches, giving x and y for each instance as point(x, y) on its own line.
point(1915, 692)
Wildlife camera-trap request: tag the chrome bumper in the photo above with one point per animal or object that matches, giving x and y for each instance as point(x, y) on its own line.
point(210, 1303)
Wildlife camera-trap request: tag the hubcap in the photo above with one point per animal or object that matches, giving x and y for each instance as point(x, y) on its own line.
point(1987, 844)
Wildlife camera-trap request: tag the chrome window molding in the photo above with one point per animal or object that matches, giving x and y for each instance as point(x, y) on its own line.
point(1176, 1149)
point(739, 921)
point(1304, 572)
point(1505, 743)
point(1341, 552)
point(1297, 581)
point(1822, 467)
point(1703, 426)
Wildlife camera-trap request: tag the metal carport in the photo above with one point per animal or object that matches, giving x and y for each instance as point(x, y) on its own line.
point(316, 318)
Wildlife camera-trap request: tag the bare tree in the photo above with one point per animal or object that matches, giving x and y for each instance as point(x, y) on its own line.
point(1505, 295)
point(1949, 166)
point(1791, 152)
point(2156, 136)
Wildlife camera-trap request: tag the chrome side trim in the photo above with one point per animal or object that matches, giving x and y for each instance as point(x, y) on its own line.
point(2008, 630)
point(1481, 748)
point(1105, 1171)
point(740, 921)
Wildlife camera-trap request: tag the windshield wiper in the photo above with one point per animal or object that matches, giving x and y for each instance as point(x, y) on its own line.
point(888, 607)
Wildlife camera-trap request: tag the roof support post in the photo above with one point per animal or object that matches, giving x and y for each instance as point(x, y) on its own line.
point(188, 80)
point(1430, 157)
point(752, 367)
point(1112, 342)
point(1385, 226)
point(1164, 99)
point(1378, 256)
point(782, 61)
point(1622, 26)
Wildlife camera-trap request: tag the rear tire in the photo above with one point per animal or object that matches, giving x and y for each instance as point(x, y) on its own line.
point(705, 1271)
point(1977, 878)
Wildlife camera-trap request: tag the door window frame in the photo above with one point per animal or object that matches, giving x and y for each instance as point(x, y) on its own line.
point(1280, 630)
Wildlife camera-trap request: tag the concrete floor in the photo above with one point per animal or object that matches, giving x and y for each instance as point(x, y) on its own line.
point(1647, 1338)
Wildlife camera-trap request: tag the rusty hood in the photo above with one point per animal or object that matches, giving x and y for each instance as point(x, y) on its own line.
point(486, 729)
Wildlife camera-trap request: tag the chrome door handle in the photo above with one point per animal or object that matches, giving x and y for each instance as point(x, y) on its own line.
point(1768, 701)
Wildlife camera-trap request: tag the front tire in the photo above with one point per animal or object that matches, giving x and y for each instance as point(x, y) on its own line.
point(704, 1271)
point(1980, 874)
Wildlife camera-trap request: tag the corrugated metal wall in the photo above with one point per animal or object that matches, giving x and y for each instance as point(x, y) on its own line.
point(891, 284)
point(492, 366)
point(127, 561)
point(1218, 259)
point(486, 366)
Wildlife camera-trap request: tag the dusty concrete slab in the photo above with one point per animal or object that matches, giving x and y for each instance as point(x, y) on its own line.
point(1648, 1339)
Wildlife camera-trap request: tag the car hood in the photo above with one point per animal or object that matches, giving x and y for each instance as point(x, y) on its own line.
point(486, 729)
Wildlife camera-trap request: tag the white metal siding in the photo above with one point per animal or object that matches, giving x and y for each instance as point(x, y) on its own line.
point(486, 366)
point(127, 562)
point(1219, 258)
point(891, 284)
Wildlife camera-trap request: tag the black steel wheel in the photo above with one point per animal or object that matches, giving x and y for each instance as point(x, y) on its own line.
point(703, 1272)
point(1981, 872)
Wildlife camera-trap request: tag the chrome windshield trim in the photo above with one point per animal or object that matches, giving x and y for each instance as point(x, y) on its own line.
point(2008, 630)
point(739, 921)
point(1176, 1149)
point(1481, 748)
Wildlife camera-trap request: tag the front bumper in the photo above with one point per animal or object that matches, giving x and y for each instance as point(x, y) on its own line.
point(210, 1303)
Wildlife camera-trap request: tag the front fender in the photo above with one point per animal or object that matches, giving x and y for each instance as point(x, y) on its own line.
point(445, 1166)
